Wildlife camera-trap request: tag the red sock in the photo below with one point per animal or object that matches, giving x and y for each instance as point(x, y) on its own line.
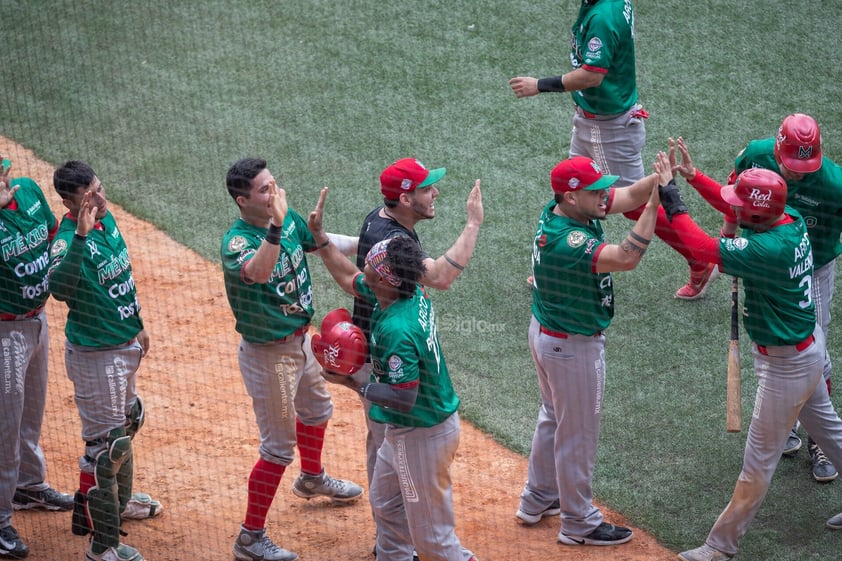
point(86, 481)
point(311, 440)
point(263, 483)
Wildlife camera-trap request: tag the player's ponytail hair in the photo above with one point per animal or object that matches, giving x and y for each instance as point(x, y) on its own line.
point(406, 261)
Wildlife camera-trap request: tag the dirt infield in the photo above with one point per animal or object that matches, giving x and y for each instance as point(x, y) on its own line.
point(199, 443)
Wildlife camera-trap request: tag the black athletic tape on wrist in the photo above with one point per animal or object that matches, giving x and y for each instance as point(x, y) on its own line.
point(552, 84)
point(273, 236)
point(639, 239)
point(454, 263)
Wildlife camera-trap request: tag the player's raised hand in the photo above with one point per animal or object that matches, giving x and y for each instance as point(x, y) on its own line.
point(277, 206)
point(663, 168)
point(476, 213)
point(685, 168)
point(6, 193)
point(86, 217)
point(315, 222)
point(524, 86)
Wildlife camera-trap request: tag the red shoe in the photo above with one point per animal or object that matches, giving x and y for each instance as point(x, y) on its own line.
point(699, 283)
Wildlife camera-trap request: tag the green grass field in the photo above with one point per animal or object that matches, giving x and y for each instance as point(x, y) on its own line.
point(161, 97)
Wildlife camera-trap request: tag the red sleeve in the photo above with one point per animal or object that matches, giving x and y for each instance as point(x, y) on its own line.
point(702, 246)
point(710, 191)
point(596, 69)
point(596, 257)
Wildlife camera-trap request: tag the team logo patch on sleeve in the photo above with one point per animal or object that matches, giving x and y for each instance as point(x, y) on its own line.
point(576, 238)
point(59, 247)
point(237, 243)
point(395, 363)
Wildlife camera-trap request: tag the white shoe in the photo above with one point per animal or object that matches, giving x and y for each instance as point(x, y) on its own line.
point(704, 553)
point(141, 506)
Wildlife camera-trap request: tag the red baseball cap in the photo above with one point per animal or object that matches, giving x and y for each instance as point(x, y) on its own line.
point(407, 175)
point(579, 173)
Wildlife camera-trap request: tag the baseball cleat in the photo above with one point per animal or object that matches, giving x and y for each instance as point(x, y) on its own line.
point(604, 534)
point(823, 470)
point(120, 553)
point(835, 522)
point(141, 506)
point(255, 545)
point(529, 519)
point(793, 441)
point(11, 546)
point(704, 553)
point(307, 486)
point(699, 283)
point(47, 499)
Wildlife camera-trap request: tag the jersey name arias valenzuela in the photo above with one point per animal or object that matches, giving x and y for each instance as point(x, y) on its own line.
point(405, 350)
point(568, 295)
point(94, 277)
point(602, 40)
point(817, 197)
point(776, 267)
point(26, 227)
point(271, 311)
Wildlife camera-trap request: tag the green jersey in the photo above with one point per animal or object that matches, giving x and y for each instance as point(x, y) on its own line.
point(568, 295)
point(26, 227)
point(777, 269)
point(405, 351)
point(273, 310)
point(602, 40)
point(94, 276)
point(817, 197)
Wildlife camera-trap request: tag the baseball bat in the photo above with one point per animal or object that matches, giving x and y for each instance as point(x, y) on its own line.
point(733, 399)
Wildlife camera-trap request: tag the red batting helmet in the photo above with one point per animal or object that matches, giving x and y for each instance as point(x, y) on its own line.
point(333, 317)
point(798, 145)
point(759, 193)
point(342, 349)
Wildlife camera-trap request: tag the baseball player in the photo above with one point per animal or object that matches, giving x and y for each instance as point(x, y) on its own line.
point(411, 394)
point(775, 261)
point(409, 192)
point(573, 303)
point(91, 271)
point(270, 293)
point(814, 187)
point(608, 120)
point(27, 225)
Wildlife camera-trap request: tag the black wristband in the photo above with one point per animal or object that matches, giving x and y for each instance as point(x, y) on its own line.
point(553, 84)
point(79, 236)
point(273, 235)
point(324, 244)
point(671, 200)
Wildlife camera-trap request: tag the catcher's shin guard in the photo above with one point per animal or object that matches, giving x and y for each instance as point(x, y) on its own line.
point(104, 499)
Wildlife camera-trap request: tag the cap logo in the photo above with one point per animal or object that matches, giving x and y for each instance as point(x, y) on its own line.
point(406, 184)
point(595, 166)
point(573, 183)
point(805, 152)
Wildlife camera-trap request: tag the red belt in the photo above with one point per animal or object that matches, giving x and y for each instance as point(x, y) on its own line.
point(301, 331)
point(560, 334)
point(803, 345)
point(14, 317)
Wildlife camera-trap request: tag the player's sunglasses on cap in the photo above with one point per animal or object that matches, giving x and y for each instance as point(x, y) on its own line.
point(580, 174)
point(379, 261)
point(407, 175)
